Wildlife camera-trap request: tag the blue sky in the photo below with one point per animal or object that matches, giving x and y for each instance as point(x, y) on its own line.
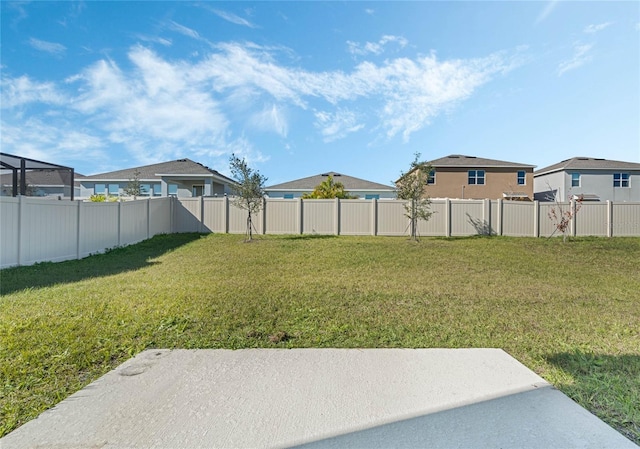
point(301, 88)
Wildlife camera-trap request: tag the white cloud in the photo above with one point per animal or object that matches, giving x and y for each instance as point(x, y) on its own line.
point(337, 125)
point(271, 119)
point(370, 11)
point(591, 29)
point(581, 55)
point(21, 91)
point(174, 26)
point(548, 9)
point(159, 109)
point(375, 47)
point(48, 47)
point(230, 17)
point(154, 39)
point(61, 141)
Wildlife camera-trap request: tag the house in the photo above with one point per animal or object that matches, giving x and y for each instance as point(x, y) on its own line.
point(181, 178)
point(354, 186)
point(459, 176)
point(596, 179)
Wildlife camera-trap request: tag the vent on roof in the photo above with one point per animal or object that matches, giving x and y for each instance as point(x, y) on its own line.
point(182, 160)
point(331, 174)
point(582, 158)
point(454, 156)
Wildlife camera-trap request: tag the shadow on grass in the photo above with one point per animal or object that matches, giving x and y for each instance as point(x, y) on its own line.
point(309, 237)
point(607, 385)
point(114, 261)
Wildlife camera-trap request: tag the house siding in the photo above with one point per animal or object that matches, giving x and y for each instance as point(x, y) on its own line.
point(453, 182)
point(592, 182)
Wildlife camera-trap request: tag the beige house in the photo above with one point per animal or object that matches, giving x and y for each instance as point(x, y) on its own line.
point(470, 177)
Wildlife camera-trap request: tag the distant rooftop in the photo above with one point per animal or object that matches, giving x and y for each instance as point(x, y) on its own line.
point(349, 182)
point(460, 160)
point(590, 163)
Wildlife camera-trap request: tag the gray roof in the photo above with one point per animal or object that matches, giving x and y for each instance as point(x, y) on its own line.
point(588, 163)
point(460, 160)
point(349, 182)
point(177, 167)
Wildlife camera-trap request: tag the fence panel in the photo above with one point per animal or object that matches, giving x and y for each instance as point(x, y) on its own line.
point(9, 223)
point(547, 227)
point(187, 215)
point(159, 216)
point(319, 217)
point(437, 224)
point(238, 220)
point(356, 217)
point(133, 222)
point(99, 227)
point(467, 217)
point(215, 215)
point(519, 220)
point(282, 216)
point(592, 219)
point(626, 219)
point(54, 238)
point(391, 218)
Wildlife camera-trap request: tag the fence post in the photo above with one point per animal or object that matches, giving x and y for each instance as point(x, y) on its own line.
point(148, 218)
point(374, 216)
point(447, 219)
point(572, 208)
point(300, 218)
point(225, 215)
point(119, 222)
point(609, 218)
point(336, 217)
point(264, 215)
point(536, 218)
point(79, 229)
point(21, 221)
point(201, 227)
point(499, 216)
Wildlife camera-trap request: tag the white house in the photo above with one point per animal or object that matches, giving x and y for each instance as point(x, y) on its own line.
point(181, 178)
point(596, 179)
point(360, 188)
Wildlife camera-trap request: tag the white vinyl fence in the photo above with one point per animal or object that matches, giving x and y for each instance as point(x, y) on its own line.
point(35, 230)
point(386, 217)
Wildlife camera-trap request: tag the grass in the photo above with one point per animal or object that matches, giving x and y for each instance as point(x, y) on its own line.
point(570, 312)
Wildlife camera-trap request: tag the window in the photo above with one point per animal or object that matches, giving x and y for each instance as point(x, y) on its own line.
point(371, 196)
point(288, 196)
point(476, 177)
point(431, 180)
point(114, 189)
point(575, 179)
point(621, 180)
point(521, 177)
point(99, 189)
point(157, 189)
point(197, 190)
point(173, 189)
point(145, 189)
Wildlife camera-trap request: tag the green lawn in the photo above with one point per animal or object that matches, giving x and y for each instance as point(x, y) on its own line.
point(570, 312)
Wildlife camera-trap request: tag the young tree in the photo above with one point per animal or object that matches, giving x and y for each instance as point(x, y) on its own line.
point(249, 190)
point(328, 189)
point(133, 187)
point(410, 187)
point(562, 215)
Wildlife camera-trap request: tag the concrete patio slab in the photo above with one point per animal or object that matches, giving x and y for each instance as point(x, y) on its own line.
point(318, 398)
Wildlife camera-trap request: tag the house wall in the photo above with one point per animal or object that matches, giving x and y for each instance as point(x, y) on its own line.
point(453, 182)
point(361, 194)
point(87, 188)
point(593, 182)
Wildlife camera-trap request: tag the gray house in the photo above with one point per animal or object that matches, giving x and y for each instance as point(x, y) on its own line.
point(596, 179)
point(181, 178)
point(361, 188)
